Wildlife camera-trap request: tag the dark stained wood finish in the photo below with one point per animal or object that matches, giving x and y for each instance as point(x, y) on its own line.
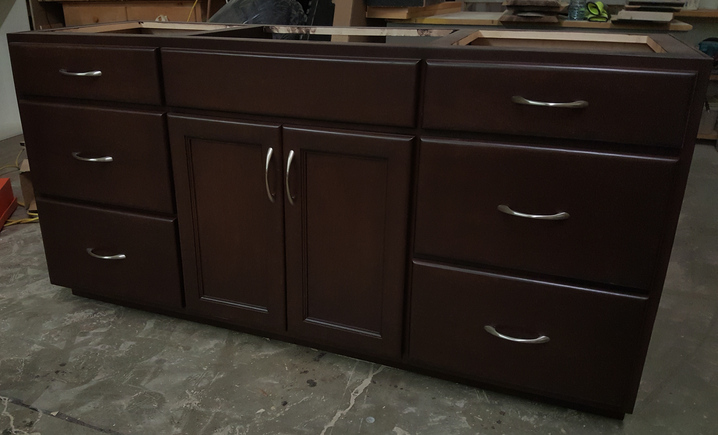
point(232, 235)
point(625, 105)
point(128, 74)
point(346, 238)
point(617, 206)
point(139, 175)
point(149, 275)
point(594, 335)
point(333, 89)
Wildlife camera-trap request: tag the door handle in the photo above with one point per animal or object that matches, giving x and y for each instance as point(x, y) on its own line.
point(539, 340)
point(106, 257)
point(96, 73)
point(548, 217)
point(286, 177)
point(270, 195)
point(104, 159)
point(578, 104)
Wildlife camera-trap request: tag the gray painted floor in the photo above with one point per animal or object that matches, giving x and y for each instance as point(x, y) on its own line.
point(70, 365)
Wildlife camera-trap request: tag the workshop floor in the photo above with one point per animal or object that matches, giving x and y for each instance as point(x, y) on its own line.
point(74, 366)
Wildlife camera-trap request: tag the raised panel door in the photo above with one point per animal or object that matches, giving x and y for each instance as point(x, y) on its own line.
point(346, 218)
point(228, 182)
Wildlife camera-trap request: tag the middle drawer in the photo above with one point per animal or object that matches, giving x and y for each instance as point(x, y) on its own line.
point(585, 215)
point(108, 156)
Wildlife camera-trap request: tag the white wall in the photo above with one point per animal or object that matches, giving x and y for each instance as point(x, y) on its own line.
point(15, 21)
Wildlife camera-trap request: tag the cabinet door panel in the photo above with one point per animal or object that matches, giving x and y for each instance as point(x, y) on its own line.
point(616, 205)
point(125, 256)
point(585, 345)
point(346, 238)
point(60, 138)
point(231, 232)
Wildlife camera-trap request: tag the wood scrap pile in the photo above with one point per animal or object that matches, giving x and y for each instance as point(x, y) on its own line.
point(532, 11)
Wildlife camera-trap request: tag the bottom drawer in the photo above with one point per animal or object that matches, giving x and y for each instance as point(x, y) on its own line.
point(586, 343)
point(120, 255)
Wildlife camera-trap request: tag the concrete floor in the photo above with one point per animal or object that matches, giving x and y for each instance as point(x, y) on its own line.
point(74, 366)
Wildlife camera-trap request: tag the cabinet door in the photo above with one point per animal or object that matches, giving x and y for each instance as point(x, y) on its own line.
point(346, 222)
point(229, 206)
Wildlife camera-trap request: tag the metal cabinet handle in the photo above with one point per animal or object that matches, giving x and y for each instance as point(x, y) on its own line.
point(96, 73)
point(104, 159)
point(286, 177)
point(491, 330)
point(548, 217)
point(270, 195)
point(578, 104)
point(106, 257)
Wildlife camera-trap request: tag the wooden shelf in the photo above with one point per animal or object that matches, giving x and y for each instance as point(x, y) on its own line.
point(698, 13)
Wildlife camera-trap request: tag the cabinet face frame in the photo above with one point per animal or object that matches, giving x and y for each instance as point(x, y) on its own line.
point(249, 249)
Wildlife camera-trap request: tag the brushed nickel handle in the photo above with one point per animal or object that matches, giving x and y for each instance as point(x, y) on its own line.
point(491, 330)
point(106, 257)
point(270, 195)
point(286, 177)
point(578, 104)
point(104, 159)
point(548, 217)
point(96, 73)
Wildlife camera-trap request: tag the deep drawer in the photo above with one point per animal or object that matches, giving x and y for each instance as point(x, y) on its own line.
point(628, 106)
point(75, 236)
point(616, 205)
point(359, 91)
point(127, 74)
point(65, 139)
point(593, 337)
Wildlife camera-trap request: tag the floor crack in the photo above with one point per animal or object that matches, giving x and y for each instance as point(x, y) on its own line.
point(356, 393)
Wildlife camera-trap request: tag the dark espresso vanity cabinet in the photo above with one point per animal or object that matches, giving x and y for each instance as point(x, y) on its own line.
point(496, 207)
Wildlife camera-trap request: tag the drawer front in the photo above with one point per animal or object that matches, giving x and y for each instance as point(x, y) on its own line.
point(593, 342)
point(616, 210)
point(127, 74)
point(357, 91)
point(628, 106)
point(149, 273)
point(64, 139)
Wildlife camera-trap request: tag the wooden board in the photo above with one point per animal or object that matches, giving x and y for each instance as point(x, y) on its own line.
point(492, 19)
point(652, 17)
point(412, 12)
point(90, 12)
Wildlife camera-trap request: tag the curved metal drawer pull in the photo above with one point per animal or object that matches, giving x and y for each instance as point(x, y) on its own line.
point(270, 195)
point(81, 74)
point(491, 330)
point(579, 104)
point(105, 159)
point(547, 217)
point(286, 177)
point(106, 257)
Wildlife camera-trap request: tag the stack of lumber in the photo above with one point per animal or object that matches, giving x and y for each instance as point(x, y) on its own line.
point(407, 12)
point(656, 11)
point(532, 11)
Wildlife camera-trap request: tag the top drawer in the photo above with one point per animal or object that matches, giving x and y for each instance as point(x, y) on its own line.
point(628, 106)
point(361, 91)
point(125, 74)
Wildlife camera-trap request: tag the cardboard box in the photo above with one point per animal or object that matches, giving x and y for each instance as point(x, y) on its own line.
point(8, 202)
point(28, 194)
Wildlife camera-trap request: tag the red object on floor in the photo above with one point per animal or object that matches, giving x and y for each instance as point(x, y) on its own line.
point(8, 202)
